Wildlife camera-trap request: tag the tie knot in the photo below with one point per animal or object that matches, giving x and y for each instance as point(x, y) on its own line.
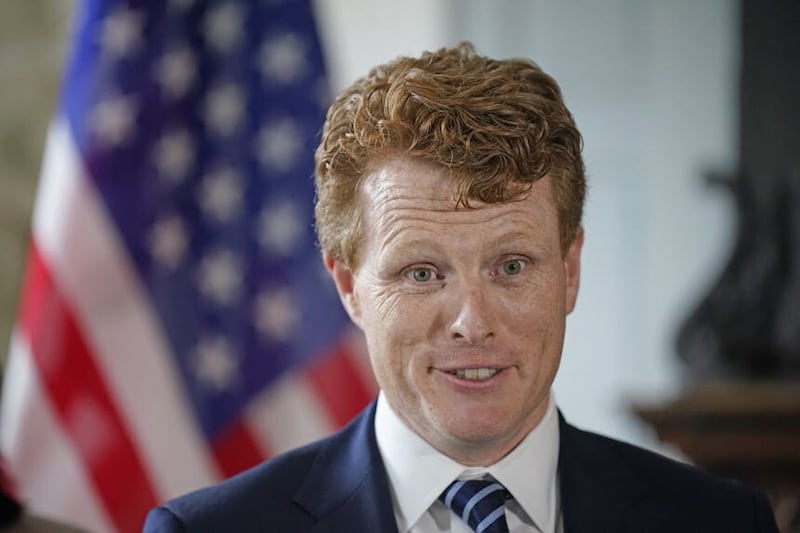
point(480, 503)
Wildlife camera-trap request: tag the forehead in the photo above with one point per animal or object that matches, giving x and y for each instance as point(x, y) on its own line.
point(406, 185)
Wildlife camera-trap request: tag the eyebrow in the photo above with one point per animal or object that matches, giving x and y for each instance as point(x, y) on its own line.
point(505, 240)
point(410, 247)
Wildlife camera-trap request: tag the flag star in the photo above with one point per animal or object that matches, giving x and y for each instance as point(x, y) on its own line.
point(280, 227)
point(174, 155)
point(221, 194)
point(221, 277)
point(276, 315)
point(223, 26)
point(279, 145)
point(224, 108)
point(216, 365)
point(181, 5)
point(112, 120)
point(176, 72)
point(169, 241)
point(121, 33)
point(283, 58)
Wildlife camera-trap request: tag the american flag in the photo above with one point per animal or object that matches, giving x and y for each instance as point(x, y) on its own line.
point(176, 324)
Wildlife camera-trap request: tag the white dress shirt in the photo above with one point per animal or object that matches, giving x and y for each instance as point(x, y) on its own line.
point(418, 474)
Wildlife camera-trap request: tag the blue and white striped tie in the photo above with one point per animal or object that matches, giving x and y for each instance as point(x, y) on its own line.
point(479, 503)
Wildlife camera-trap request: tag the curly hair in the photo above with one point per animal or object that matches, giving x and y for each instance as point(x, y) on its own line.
point(495, 126)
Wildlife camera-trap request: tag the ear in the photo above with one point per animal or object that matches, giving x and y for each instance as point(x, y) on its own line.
point(572, 268)
point(345, 285)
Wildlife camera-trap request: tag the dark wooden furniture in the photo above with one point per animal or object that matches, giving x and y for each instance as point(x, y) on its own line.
point(746, 431)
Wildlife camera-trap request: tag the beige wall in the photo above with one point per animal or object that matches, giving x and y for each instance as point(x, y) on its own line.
point(33, 35)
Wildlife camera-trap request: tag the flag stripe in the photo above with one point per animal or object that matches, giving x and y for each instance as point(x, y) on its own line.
point(236, 449)
point(76, 237)
point(52, 484)
point(83, 404)
point(337, 383)
point(287, 413)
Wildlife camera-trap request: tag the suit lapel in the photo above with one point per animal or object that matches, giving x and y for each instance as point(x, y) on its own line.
point(598, 491)
point(347, 488)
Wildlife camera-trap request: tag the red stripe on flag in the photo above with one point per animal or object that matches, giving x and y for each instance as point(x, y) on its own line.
point(81, 401)
point(236, 450)
point(338, 384)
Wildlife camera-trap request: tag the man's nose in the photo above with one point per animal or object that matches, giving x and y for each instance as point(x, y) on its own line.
point(473, 322)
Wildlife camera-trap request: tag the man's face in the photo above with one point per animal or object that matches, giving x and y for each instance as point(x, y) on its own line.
point(463, 309)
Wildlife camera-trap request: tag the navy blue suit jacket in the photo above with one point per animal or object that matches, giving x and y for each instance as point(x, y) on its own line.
point(339, 485)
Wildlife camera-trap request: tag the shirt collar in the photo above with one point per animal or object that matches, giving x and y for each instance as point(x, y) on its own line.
point(418, 473)
point(530, 471)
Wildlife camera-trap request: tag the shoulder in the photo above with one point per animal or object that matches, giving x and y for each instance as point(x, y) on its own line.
point(669, 472)
point(668, 490)
point(285, 494)
point(259, 499)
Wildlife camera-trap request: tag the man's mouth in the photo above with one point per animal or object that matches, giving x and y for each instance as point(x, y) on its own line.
point(475, 374)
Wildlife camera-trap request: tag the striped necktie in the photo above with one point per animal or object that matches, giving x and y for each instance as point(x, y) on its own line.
point(480, 503)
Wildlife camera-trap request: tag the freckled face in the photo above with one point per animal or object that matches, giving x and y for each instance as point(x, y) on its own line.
point(463, 309)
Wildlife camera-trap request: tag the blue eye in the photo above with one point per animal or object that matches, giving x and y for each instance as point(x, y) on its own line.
point(421, 274)
point(513, 267)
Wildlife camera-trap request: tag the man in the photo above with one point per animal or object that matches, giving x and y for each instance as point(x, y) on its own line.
point(450, 191)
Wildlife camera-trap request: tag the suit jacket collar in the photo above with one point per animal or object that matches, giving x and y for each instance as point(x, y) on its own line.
point(347, 489)
point(598, 491)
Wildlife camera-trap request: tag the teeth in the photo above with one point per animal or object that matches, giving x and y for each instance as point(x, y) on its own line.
point(475, 373)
